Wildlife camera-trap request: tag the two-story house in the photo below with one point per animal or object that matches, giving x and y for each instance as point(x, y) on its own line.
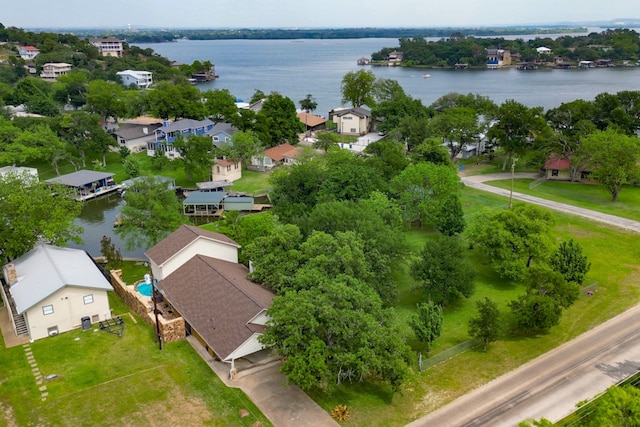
point(52, 70)
point(166, 134)
point(351, 121)
point(109, 46)
point(28, 53)
point(497, 58)
point(142, 79)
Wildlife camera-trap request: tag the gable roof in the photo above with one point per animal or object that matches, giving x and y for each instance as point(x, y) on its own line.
point(557, 162)
point(281, 151)
point(217, 300)
point(311, 120)
point(358, 111)
point(46, 269)
point(133, 131)
point(222, 127)
point(182, 237)
point(185, 124)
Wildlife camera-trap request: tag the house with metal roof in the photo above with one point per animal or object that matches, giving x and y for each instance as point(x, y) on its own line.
point(203, 203)
point(51, 290)
point(166, 134)
point(221, 134)
point(135, 137)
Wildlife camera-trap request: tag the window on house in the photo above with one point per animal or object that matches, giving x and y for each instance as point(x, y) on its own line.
point(229, 168)
point(47, 309)
point(88, 299)
point(215, 138)
point(554, 172)
point(353, 130)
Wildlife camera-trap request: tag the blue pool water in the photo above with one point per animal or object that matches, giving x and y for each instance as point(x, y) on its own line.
point(145, 289)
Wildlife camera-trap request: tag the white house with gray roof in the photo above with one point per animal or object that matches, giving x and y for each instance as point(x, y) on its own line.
point(51, 289)
point(141, 79)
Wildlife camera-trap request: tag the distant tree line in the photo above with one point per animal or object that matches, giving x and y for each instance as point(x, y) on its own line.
point(156, 35)
point(617, 45)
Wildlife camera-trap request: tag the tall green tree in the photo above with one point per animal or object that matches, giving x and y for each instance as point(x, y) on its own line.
point(105, 99)
point(220, 105)
point(71, 89)
point(244, 145)
point(176, 101)
point(570, 261)
point(358, 88)
point(444, 270)
point(335, 332)
point(33, 211)
point(196, 155)
point(456, 127)
point(427, 323)
point(485, 326)
point(308, 104)
point(152, 211)
point(619, 406)
point(277, 122)
point(450, 219)
point(613, 159)
point(512, 239)
point(421, 189)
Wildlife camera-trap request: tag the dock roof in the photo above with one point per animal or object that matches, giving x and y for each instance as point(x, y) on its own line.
point(80, 178)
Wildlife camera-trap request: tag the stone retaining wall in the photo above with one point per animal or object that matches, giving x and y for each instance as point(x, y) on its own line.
point(170, 330)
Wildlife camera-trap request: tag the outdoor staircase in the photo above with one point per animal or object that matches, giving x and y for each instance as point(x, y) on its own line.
point(18, 319)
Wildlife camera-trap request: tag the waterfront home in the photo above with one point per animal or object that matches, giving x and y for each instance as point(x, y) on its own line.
point(200, 279)
point(28, 53)
point(395, 58)
point(109, 46)
point(52, 70)
point(226, 169)
point(312, 122)
point(166, 134)
point(497, 58)
point(542, 50)
point(140, 79)
point(351, 121)
point(88, 184)
point(135, 136)
point(363, 61)
point(51, 290)
point(221, 134)
point(283, 154)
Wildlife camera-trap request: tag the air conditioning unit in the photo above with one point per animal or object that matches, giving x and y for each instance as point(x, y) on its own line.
point(53, 333)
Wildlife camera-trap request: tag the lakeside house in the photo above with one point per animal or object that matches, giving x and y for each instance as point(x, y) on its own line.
point(226, 170)
point(199, 278)
point(498, 58)
point(109, 46)
point(52, 70)
point(51, 290)
point(28, 53)
point(283, 154)
point(166, 134)
point(135, 136)
point(141, 79)
point(312, 122)
point(351, 121)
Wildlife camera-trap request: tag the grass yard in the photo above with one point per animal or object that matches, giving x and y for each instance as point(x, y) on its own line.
point(588, 196)
point(110, 381)
point(613, 254)
point(252, 182)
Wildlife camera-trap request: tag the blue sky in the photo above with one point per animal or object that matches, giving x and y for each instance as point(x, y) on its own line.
point(302, 13)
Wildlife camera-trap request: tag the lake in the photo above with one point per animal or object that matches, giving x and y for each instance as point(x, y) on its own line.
point(296, 68)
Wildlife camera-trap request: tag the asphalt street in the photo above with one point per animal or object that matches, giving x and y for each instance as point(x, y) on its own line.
point(550, 385)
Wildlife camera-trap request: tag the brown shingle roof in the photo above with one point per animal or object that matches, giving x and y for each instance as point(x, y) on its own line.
point(217, 300)
point(311, 120)
point(179, 239)
point(281, 151)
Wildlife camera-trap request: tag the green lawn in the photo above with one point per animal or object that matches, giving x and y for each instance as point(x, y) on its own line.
point(588, 196)
point(613, 254)
point(110, 381)
point(252, 182)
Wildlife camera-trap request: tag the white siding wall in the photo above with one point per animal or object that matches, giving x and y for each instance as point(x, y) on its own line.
point(201, 246)
point(68, 310)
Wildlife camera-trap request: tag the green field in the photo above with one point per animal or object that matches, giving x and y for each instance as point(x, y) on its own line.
point(613, 254)
point(105, 380)
point(588, 196)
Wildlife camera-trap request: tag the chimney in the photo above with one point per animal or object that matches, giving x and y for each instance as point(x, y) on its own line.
point(10, 274)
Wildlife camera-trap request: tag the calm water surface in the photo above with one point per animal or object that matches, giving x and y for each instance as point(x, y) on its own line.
point(298, 67)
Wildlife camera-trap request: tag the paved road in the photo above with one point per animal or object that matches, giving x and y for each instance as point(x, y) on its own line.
point(477, 181)
point(550, 385)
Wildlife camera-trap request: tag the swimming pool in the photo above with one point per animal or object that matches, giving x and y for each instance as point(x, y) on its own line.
point(144, 289)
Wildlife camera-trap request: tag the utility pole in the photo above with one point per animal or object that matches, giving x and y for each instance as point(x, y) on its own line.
point(513, 168)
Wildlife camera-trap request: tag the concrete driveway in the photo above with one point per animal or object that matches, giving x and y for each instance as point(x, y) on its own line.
point(285, 406)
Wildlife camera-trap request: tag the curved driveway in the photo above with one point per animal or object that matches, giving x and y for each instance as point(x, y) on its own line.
point(550, 385)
